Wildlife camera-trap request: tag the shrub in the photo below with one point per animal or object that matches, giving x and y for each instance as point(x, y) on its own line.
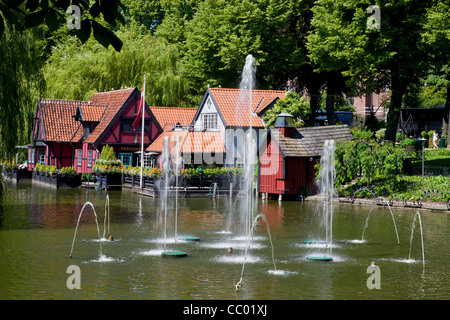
point(367, 161)
point(107, 153)
point(380, 134)
point(9, 167)
point(88, 177)
point(68, 171)
point(52, 170)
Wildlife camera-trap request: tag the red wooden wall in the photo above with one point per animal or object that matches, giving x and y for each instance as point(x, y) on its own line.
point(271, 169)
point(280, 175)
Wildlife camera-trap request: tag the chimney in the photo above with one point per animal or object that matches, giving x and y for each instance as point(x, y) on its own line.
point(285, 122)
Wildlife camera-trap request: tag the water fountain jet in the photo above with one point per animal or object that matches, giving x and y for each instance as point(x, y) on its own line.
point(327, 192)
point(393, 220)
point(88, 203)
point(107, 218)
point(164, 196)
point(250, 236)
point(417, 214)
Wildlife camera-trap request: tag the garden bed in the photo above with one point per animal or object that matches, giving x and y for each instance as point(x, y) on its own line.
point(187, 186)
point(57, 180)
point(407, 191)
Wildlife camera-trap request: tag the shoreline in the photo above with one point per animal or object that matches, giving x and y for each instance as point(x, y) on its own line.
point(426, 205)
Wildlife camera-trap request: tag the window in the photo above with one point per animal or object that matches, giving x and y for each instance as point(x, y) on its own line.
point(89, 164)
point(79, 158)
point(126, 158)
point(41, 156)
point(209, 120)
point(148, 160)
point(126, 125)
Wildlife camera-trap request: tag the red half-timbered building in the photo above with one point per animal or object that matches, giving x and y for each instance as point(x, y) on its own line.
point(73, 133)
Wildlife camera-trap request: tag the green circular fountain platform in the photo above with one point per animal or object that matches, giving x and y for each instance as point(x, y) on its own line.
point(174, 254)
point(319, 258)
point(314, 242)
point(189, 238)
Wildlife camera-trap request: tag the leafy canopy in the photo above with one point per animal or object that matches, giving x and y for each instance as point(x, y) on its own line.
point(294, 104)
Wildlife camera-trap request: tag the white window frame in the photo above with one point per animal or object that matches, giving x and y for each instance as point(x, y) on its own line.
point(209, 121)
point(147, 160)
point(126, 158)
point(41, 156)
point(89, 163)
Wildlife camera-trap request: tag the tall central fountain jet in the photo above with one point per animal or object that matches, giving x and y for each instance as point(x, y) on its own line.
point(243, 110)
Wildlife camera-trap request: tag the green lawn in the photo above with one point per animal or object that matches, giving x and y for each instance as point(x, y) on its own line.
point(434, 158)
point(433, 161)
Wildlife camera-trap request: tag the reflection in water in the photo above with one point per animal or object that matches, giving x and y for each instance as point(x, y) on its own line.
point(38, 227)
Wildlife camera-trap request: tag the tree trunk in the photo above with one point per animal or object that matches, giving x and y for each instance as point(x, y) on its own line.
point(393, 115)
point(447, 116)
point(331, 92)
point(314, 103)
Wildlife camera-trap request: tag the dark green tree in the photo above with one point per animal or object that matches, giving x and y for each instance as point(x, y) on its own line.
point(436, 41)
point(293, 104)
point(21, 82)
point(177, 13)
point(222, 33)
point(76, 71)
point(371, 58)
point(97, 17)
point(146, 13)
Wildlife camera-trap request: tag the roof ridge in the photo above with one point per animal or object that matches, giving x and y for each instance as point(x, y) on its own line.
point(125, 89)
point(317, 127)
point(79, 102)
point(189, 108)
point(237, 89)
point(58, 100)
point(95, 105)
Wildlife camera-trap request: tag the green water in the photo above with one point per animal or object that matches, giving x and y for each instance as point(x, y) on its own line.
point(38, 224)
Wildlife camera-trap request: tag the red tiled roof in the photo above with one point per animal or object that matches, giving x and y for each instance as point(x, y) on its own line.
point(203, 141)
point(169, 116)
point(78, 135)
point(92, 112)
point(158, 144)
point(57, 119)
point(190, 141)
point(114, 100)
point(88, 112)
point(235, 108)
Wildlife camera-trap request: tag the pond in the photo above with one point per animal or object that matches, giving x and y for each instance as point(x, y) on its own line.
point(38, 224)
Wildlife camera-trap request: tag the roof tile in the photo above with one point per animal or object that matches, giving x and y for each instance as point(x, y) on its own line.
point(57, 116)
point(92, 112)
point(308, 141)
point(191, 142)
point(234, 105)
point(114, 100)
point(170, 116)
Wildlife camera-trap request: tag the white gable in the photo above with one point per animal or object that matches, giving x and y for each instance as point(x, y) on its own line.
point(208, 117)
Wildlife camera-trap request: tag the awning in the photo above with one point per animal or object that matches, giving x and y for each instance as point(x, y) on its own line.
point(32, 145)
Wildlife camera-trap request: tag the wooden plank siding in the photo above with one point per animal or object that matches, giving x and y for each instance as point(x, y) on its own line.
point(271, 169)
point(287, 162)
